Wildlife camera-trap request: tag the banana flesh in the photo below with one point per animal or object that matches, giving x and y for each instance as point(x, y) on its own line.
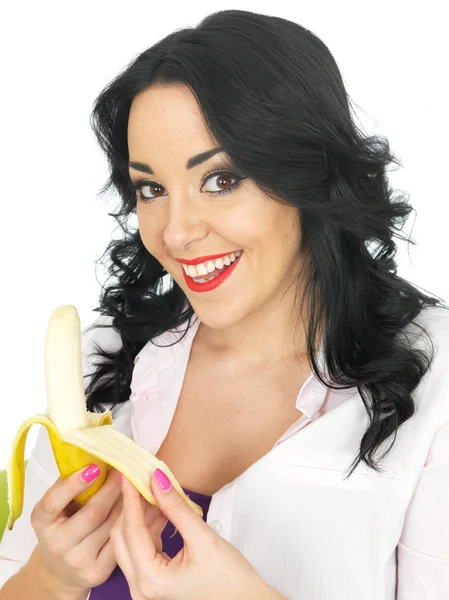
point(82, 437)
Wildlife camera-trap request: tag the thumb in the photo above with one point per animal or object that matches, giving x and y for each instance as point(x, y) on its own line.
point(176, 509)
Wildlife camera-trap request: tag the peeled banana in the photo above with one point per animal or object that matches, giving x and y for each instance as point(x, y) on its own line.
point(79, 437)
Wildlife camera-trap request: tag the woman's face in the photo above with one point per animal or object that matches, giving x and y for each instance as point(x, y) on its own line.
point(180, 216)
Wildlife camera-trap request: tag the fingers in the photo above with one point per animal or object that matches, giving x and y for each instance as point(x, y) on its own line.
point(156, 523)
point(94, 513)
point(73, 506)
point(135, 528)
point(121, 551)
point(96, 546)
point(106, 555)
point(60, 494)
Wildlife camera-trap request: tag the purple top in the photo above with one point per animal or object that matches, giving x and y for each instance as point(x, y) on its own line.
point(116, 587)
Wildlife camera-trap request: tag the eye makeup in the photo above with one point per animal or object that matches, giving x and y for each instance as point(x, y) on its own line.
point(225, 171)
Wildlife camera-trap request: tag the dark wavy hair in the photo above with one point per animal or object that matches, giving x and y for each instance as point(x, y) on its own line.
point(273, 97)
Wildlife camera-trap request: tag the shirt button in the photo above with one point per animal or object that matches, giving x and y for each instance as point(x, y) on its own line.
point(216, 525)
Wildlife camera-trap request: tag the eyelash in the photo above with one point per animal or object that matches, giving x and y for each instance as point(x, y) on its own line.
point(231, 188)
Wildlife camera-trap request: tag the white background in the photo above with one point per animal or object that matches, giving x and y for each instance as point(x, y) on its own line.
point(56, 58)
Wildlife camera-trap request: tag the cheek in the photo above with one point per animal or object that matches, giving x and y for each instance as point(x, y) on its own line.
point(244, 229)
point(151, 233)
point(288, 230)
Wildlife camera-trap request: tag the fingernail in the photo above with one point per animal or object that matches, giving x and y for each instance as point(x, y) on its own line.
point(121, 476)
point(90, 473)
point(162, 480)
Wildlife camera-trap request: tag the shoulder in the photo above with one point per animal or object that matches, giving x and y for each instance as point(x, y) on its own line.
point(433, 315)
point(435, 321)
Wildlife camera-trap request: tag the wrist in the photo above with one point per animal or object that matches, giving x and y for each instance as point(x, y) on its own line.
point(39, 575)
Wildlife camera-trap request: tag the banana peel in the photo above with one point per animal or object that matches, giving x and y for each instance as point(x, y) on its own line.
point(97, 440)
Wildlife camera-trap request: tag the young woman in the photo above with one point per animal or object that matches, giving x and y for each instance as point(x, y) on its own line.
point(256, 337)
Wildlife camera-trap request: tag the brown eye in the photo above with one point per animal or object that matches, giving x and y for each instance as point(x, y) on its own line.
point(220, 179)
point(150, 188)
point(147, 191)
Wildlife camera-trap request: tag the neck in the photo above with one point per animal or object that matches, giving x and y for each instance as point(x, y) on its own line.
point(260, 340)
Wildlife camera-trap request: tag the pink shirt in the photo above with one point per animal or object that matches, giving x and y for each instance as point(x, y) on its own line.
point(309, 534)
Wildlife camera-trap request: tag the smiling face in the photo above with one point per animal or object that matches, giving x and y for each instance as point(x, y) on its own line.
point(181, 214)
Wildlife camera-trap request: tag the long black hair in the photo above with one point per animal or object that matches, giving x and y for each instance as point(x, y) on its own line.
point(273, 97)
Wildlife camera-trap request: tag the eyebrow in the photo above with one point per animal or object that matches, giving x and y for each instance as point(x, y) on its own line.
point(192, 162)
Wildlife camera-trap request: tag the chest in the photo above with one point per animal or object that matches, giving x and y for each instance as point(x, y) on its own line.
point(226, 421)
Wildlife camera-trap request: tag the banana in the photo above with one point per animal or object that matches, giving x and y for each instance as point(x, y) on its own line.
point(79, 437)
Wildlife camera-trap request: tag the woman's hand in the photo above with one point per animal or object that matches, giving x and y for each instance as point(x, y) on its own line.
point(73, 547)
point(206, 567)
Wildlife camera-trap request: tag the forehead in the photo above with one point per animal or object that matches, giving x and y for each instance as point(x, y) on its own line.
point(166, 127)
point(171, 108)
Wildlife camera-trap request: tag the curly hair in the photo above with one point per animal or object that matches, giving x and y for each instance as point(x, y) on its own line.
point(272, 95)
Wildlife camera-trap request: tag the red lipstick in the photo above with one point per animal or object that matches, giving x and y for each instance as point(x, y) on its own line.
point(212, 283)
point(201, 259)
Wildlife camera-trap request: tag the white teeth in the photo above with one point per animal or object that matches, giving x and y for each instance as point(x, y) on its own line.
point(201, 269)
point(210, 266)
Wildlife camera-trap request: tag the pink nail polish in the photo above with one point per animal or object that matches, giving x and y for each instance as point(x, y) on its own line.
point(90, 473)
point(162, 480)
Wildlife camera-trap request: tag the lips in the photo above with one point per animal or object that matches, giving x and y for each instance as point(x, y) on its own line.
point(202, 259)
point(213, 283)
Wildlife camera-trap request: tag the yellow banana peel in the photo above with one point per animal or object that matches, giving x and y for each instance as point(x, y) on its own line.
point(79, 437)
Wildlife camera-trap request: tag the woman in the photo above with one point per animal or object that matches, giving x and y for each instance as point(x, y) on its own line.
point(256, 337)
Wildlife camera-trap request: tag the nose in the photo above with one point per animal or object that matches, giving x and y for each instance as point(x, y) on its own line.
point(184, 225)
